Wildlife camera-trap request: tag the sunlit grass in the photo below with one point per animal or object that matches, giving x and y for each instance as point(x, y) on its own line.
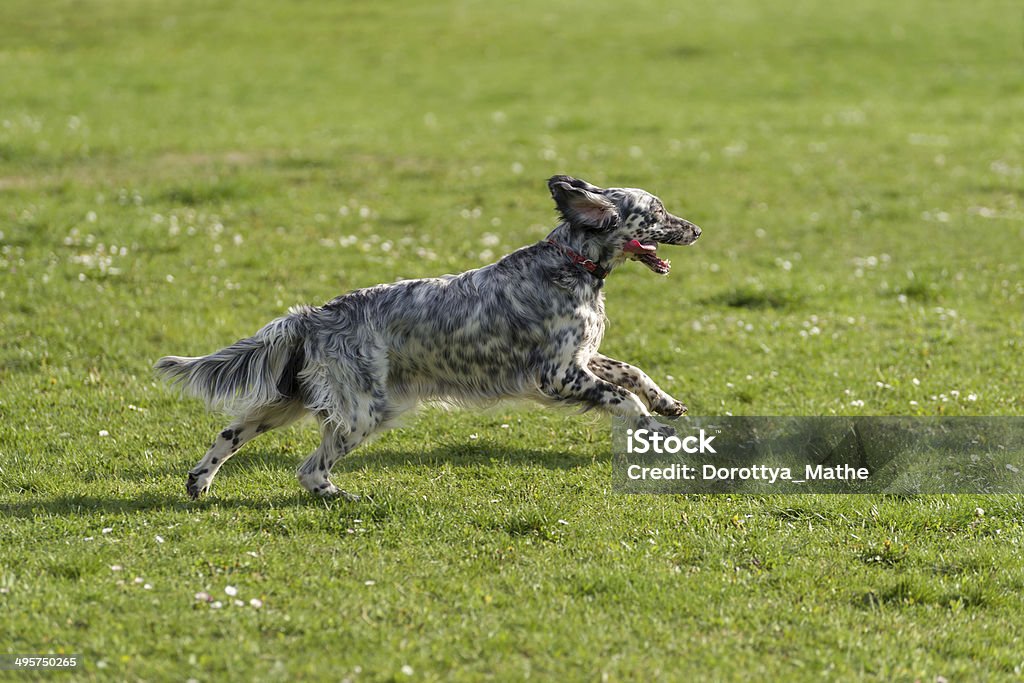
point(175, 174)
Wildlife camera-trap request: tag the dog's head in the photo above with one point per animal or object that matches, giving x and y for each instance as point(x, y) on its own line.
point(630, 223)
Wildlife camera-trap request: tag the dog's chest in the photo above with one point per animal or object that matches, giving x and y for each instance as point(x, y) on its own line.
point(590, 316)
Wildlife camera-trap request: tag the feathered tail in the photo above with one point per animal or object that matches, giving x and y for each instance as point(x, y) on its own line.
point(252, 373)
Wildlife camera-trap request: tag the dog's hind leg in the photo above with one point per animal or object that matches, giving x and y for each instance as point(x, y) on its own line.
point(367, 414)
point(636, 380)
point(372, 413)
point(229, 441)
point(314, 473)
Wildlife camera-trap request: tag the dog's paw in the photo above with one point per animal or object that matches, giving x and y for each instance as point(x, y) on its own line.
point(331, 491)
point(196, 485)
point(670, 407)
point(327, 489)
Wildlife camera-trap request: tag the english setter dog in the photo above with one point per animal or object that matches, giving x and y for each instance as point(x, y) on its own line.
point(528, 326)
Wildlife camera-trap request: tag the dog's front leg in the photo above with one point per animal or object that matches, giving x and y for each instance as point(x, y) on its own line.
point(577, 384)
point(636, 380)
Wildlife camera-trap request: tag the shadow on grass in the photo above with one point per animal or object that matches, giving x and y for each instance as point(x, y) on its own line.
point(483, 456)
point(80, 504)
point(473, 456)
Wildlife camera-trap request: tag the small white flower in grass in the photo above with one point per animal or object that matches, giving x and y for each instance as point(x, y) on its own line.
point(216, 604)
point(913, 403)
point(954, 393)
point(159, 538)
point(139, 579)
point(169, 278)
point(505, 425)
point(972, 397)
point(857, 403)
point(474, 437)
point(104, 432)
point(562, 521)
point(87, 538)
point(256, 603)
point(370, 583)
point(116, 567)
point(407, 670)
point(231, 590)
point(1012, 468)
point(202, 596)
point(238, 603)
point(107, 529)
point(147, 586)
point(979, 512)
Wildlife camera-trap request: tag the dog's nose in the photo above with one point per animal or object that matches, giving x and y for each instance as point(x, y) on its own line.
point(696, 232)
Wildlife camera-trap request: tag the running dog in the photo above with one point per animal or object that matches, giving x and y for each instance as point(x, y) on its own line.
point(528, 326)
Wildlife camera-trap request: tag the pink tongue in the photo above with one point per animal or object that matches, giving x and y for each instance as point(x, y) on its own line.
point(634, 247)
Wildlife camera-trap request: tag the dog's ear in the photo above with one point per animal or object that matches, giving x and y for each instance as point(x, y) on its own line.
point(581, 203)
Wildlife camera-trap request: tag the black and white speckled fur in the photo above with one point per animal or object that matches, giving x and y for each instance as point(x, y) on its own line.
point(528, 326)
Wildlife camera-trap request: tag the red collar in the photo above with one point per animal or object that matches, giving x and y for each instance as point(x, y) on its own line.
point(595, 269)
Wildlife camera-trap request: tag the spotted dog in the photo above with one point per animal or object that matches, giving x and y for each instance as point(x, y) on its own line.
point(528, 326)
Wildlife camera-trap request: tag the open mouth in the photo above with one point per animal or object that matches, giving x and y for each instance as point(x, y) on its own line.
point(647, 254)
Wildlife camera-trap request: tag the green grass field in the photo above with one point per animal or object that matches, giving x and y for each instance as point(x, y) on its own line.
point(174, 174)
